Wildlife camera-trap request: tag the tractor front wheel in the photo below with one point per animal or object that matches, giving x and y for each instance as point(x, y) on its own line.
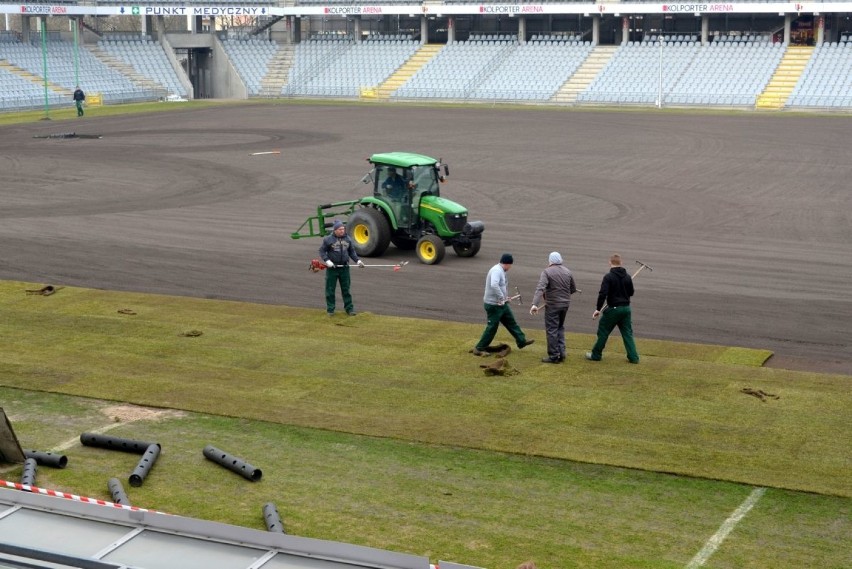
point(370, 232)
point(430, 249)
point(469, 249)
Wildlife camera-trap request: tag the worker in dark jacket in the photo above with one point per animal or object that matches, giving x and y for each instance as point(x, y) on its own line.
point(615, 293)
point(336, 251)
point(79, 96)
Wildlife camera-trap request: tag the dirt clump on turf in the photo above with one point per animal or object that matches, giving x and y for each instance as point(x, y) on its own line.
point(132, 413)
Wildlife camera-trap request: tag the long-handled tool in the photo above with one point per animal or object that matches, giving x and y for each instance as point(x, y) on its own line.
point(633, 276)
point(396, 266)
point(517, 296)
point(536, 309)
point(317, 265)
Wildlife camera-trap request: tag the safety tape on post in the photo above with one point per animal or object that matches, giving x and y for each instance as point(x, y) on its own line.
point(74, 497)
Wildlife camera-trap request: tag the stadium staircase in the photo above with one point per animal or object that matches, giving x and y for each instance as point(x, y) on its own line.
point(407, 70)
point(278, 71)
point(784, 80)
point(34, 79)
point(124, 68)
point(585, 74)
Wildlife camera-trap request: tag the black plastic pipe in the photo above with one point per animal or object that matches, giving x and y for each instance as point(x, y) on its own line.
point(28, 477)
point(146, 463)
point(272, 518)
point(116, 490)
point(114, 443)
point(232, 463)
point(47, 458)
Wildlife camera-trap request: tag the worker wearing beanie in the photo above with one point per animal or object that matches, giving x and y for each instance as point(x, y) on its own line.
point(497, 307)
point(555, 287)
point(336, 251)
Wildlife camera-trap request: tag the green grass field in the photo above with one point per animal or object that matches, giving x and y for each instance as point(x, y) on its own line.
point(397, 439)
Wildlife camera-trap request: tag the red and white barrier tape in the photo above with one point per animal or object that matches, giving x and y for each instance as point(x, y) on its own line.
point(74, 497)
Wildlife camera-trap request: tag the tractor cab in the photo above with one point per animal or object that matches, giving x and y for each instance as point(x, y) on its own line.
point(402, 188)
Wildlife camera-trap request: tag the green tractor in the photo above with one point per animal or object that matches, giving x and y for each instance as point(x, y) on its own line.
point(406, 209)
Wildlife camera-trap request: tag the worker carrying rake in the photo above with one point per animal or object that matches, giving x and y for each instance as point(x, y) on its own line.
point(613, 307)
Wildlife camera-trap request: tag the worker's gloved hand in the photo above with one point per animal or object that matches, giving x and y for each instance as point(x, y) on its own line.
point(329, 264)
point(360, 263)
point(533, 310)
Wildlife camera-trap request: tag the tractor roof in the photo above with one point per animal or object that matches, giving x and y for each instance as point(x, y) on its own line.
point(402, 159)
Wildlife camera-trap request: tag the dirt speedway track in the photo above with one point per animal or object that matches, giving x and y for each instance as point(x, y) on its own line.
point(746, 219)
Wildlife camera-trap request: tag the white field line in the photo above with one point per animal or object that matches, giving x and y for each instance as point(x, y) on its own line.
point(76, 440)
point(714, 542)
point(71, 442)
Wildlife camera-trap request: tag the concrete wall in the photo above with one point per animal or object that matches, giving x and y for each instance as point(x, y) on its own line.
point(227, 83)
point(223, 80)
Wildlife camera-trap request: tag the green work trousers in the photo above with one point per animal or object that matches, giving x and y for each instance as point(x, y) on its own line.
point(79, 108)
point(616, 316)
point(331, 277)
point(500, 314)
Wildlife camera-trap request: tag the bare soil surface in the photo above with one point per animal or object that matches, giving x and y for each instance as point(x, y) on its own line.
point(746, 219)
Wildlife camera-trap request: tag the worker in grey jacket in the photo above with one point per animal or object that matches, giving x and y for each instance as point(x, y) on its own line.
point(555, 287)
point(497, 309)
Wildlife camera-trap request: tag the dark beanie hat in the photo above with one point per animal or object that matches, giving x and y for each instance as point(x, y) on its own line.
point(337, 224)
point(506, 259)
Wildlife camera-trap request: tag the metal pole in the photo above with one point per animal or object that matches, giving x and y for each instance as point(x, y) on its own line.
point(76, 22)
point(44, 65)
point(660, 88)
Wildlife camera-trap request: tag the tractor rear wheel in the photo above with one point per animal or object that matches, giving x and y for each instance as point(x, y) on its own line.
point(468, 250)
point(430, 249)
point(370, 232)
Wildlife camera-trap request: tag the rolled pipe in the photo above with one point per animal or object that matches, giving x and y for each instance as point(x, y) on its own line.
point(114, 443)
point(272, 518)
point(146, 463)
point(47, 458)
point(28, 477)
point(116, 490)
point(232, 463)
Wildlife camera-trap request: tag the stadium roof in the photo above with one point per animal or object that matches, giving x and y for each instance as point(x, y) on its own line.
point(50, 530)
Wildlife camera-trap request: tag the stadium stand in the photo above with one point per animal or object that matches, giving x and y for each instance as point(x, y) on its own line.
point(251, 58)
point(533, 71)
point(726, 74)
point(20, 93)
point(356, 66)
point(826, 79)
point(65, 65)
point(458, 69)
point(312, 57)
point(147, 58)
point(733, 70)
